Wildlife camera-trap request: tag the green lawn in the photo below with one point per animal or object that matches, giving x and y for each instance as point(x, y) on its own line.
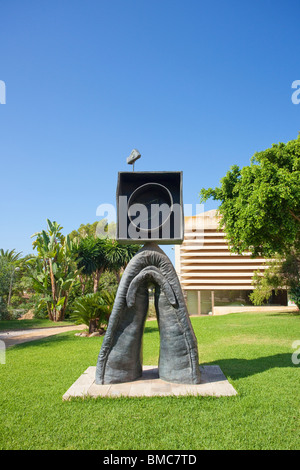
point(253, 350)
point(30, 324)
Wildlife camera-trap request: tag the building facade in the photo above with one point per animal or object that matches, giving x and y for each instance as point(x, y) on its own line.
point(212, 277)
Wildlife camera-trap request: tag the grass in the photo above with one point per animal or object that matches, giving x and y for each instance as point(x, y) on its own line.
point(31, 324)
point(253, 350)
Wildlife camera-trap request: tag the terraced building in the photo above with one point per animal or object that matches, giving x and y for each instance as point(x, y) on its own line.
point(214, 279)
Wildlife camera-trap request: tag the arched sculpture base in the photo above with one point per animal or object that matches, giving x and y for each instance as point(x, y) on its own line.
point(120, 358)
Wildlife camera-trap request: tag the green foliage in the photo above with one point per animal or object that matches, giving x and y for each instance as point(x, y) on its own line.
point(91, 255)
point(295, 295)
point(4, 312)
point(260, 203)
point(5, 276)
point(95, 255)
point(93, 230)
point(260, 213)
point(14, 265)
point(65, 268)
point(55, 270)
point(119, 255)
point(85, 230)
point(108, 281)
point(281, 274)
point(10, 255)
point(96, 306)
point(12, 286)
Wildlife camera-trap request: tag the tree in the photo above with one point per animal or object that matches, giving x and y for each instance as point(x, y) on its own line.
point(118, 255)
point(260, 203)
point(84, 231)
point(90, 253)
point(91, 260)
point(11, 256)
point(281, 274)
point(96, 255)
point(10, 260)
point(260, 212)
point(17, 266)
point(5, 281)
point(22, 285)
point(90, 230)
point(55, 270)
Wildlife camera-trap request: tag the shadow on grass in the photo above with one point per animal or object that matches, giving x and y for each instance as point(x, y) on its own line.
point(151, 329)
point(239, 368)
point(284, 314)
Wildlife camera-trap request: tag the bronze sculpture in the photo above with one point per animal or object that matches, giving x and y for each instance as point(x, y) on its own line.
point(120, 358)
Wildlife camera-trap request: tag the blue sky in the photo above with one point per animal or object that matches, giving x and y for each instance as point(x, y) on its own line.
point(195, 85)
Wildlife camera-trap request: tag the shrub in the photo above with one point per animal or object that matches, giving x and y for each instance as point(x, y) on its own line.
point(93, 309)
point(4, 313)
point(295, 295)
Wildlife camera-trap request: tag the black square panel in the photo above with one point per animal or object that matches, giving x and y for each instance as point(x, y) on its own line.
point(149, 207)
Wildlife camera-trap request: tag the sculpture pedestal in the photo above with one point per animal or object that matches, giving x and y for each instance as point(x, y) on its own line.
point(213, 383)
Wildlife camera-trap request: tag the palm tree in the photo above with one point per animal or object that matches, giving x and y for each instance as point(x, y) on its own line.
point(16, 262)
point(11, 256)
point(118, 255)
point(95, 255)
point(91, 259)
point(55, 273)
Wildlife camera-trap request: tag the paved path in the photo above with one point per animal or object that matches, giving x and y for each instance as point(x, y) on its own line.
point(13, 337)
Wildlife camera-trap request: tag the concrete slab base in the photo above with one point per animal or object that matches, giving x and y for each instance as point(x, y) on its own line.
point(213, 383)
